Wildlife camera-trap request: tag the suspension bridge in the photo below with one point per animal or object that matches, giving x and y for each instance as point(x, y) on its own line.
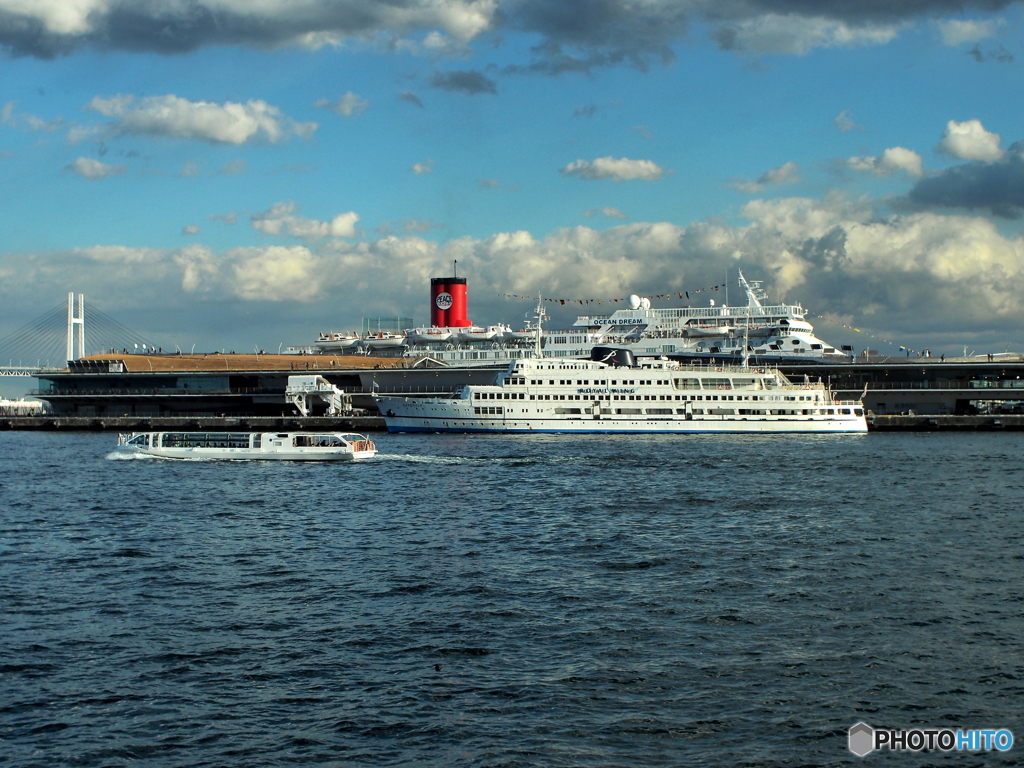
point(59, 336)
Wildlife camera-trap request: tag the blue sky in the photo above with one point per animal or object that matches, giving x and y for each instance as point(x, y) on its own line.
point(231, 175)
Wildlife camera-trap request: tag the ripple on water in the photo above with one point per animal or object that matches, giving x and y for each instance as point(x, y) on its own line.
point(526, 600)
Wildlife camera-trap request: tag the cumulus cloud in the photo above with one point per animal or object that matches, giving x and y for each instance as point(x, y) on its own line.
point(889, 163)
point(276, 273)
point(94, 169)
point(51, 27)
point(574, 35)
point(606, 211)
point(918, 273)
point(349, 105)
point(970, 141)
point(997, 187)
point(421, 168)
point(190, 229)
point(174, 117)
point(280, 219)
point(464, 81)
point(621, 169)
point(787, 173)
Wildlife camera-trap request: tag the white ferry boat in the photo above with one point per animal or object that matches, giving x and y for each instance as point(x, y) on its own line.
point(548, 395)
point(279, 446)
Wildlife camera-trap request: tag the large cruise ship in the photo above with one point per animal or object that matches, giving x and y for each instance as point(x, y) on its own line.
point(765, 333)
point(584, 396)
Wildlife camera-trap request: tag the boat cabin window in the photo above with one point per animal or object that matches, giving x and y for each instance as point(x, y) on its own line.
point(205, 440)
point(743, 383)
point(687, 383)
point(257, 440)
point(717, 384)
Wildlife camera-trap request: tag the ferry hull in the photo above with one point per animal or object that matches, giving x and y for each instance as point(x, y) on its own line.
point(241, 454)
point(705, 425)
point(411, 414)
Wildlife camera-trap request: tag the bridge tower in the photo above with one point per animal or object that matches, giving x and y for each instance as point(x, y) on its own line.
point(76, 319)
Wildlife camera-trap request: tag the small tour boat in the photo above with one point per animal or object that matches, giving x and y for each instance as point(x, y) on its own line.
point(279, 446)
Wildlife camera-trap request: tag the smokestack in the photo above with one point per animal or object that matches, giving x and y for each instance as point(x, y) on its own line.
point(440, 301)
point(448, 302)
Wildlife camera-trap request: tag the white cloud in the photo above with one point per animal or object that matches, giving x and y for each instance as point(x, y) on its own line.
point(277, 273)
point(349, 105)
point(190, 229)
point(621, 169)
point(957, 31)
point(309, 23)
point(845, 123)
point(921, 273)
point(889, 163)
point(280, 220)
point(11, 117)
point(420, 168)
point(174, 117)
point(794, 34)
point(970, 141)
point(94, 169)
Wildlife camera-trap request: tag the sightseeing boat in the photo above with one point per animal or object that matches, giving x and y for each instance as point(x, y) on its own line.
point(279, 446)
point(654, 395)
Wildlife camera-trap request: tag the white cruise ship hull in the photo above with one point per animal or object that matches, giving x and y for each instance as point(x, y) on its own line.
point(550, 395)
point(431, 415)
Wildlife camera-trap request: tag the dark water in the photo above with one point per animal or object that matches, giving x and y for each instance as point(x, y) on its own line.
point(505, 601)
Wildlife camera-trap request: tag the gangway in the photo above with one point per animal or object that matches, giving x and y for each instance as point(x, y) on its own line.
point(303, 391)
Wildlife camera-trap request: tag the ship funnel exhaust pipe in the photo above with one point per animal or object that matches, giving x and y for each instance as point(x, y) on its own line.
point(449, 302)
point(613, 356)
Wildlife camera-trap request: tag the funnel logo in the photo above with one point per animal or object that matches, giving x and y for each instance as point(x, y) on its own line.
point(444, 300)
point(864, 739)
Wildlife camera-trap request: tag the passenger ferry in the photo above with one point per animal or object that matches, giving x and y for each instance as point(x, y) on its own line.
point(655, 395)
point(279, 446)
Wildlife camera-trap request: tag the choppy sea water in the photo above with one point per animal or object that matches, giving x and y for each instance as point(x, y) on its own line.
point(510, 601)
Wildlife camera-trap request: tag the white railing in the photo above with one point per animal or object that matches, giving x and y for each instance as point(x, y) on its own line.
point(784, 310)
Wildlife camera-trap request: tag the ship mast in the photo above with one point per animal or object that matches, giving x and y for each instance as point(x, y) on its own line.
point(540, 320)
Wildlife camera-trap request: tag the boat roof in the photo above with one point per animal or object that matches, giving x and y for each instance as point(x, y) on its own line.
point(230, 363)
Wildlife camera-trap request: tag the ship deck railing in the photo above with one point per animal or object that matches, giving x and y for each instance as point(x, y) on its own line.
point(787, 310)
point(165, 391)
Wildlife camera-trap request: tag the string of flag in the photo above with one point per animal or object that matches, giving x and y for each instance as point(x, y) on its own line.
point(901, 347)
point(583, 302)
point(689, 294)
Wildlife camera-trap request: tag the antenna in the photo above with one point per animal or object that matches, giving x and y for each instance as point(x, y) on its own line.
point(540, 321)
point(455, 267)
